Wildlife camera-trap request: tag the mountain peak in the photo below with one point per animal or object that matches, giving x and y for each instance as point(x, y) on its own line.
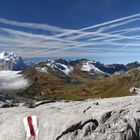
point(11, 61)
point(3, 55)
point(8, 55)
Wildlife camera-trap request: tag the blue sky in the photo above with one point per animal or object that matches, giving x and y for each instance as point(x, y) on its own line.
point(103, 30)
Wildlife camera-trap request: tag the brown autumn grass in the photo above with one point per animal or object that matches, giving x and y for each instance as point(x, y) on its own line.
point(51, 86)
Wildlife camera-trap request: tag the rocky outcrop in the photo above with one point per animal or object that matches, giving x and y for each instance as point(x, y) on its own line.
point(7, 101)
point(110, 119)
point(84, 129)
point(135, 90)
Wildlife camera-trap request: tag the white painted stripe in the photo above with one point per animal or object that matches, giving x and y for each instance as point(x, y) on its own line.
point(27, 129)
point(35, 124)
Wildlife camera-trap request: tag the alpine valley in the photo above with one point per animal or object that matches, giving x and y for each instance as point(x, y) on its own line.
point(71, 80)
point(87, 95)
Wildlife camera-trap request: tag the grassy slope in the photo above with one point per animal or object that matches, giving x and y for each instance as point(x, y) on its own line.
point(51, 86)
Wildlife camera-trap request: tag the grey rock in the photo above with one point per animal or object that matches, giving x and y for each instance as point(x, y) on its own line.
point(113, 119)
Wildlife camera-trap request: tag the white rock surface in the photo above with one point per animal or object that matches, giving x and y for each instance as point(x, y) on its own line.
point(100, 119)
point(135, 90)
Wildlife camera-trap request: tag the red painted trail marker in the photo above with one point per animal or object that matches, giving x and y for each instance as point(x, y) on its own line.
point(31, 126)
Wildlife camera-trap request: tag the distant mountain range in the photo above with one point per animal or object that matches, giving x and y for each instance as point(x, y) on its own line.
point(65, 68)
point(12, 61)
point(76, 80)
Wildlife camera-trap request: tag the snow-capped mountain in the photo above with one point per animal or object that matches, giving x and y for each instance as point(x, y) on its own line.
point(89, 66)
point(64, 68)
point(60, 67)
point(11, 61)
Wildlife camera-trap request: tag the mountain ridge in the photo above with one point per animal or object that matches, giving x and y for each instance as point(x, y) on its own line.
point(86, 65)
point(12, 61)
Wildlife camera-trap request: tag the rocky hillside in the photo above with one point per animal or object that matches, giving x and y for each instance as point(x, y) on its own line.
point(65, 68)
point(99, 119)
point(78, 85)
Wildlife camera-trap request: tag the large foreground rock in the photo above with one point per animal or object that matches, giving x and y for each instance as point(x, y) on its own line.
point(101, 119)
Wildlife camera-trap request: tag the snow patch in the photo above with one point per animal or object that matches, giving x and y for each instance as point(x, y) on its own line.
point(42, 69)
point(61, 67)
point(89, 66)
point(64, 68)
point(8, 56)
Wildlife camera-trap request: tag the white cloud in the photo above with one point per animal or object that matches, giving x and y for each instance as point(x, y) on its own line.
point(58, 41)
point(33, 25)
point(12, 80)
